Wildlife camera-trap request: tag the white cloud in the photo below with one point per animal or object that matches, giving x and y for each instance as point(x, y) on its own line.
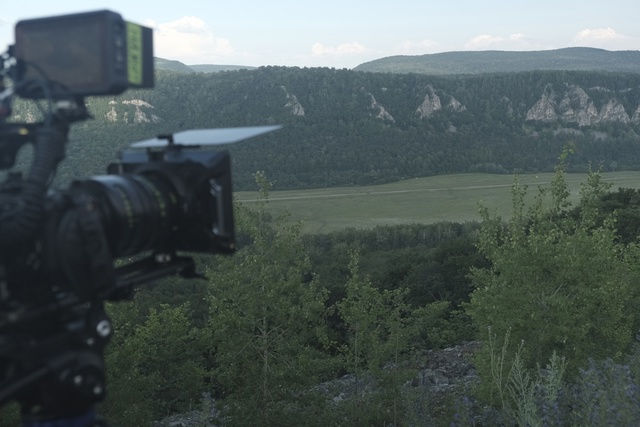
point(420, 47)
point(483, 41)
point(598, 34)
point(189, 40)
point(606, 38)
point(514, 41)
point(318, 49)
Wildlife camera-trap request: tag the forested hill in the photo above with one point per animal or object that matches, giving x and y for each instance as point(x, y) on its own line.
point(344, 127)
point(177, 66)
point(492, 61)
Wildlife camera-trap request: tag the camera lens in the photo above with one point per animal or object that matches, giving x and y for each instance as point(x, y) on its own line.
point(139, 212)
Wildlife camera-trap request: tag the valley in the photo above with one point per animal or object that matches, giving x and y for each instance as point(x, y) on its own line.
point(453, 198)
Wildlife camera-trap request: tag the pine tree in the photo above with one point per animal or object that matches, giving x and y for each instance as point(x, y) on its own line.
point(380, 326)
point(266, 322)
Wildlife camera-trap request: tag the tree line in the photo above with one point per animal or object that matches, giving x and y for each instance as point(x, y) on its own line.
point(341, 141)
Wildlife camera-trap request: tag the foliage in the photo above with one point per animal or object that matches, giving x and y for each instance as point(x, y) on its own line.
point(528, 400)
point(402, 292)
point(265, 329)
point(380, 327)
point(564, 277)
point(10, 415)
point(430, 261)
point(148, 378)
point(624, 204)
point(299, 355)
point(605, 393)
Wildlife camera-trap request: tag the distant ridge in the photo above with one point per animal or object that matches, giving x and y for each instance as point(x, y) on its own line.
point(179, 67)
point(171, 65)
point(210, 68)
point(494, 61)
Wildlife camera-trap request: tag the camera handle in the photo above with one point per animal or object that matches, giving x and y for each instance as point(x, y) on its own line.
point(24, 214)
point(56, 365)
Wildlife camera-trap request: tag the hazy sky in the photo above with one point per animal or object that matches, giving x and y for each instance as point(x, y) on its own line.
point(345, 33)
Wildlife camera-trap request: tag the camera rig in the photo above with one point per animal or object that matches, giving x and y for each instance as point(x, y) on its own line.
point(64, 252)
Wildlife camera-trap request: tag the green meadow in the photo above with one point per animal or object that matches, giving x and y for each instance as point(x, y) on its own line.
point(453, 198)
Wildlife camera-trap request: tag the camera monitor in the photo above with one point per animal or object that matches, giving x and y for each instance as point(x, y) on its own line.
point(92, 53)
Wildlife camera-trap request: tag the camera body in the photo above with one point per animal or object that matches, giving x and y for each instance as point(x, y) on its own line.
point(58, 247)
point(167, 198)
point(92, 53)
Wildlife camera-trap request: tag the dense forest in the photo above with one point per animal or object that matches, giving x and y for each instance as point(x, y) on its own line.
point(342, 127)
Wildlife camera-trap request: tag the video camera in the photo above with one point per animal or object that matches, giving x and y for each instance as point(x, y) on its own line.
point(58, 248)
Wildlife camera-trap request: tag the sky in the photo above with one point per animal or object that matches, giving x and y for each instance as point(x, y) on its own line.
point(346, 33)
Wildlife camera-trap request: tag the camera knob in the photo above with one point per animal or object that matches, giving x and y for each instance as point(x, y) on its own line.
point(103, 328)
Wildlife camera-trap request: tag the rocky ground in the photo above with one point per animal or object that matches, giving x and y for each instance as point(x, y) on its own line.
point(440, 373)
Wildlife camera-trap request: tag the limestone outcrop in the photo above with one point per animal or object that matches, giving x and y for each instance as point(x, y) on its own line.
point(574, 105)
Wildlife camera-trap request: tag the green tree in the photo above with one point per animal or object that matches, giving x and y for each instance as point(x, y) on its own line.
point(380, 326)
point(266, 322)
point(10, 415)
point(155, 369)
point(557, 282)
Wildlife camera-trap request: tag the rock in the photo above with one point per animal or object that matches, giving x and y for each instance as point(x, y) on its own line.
point(430, 104)
point(292, 102)
point(448, 368)
point(575, 106)
point(382, 113)
point(208, 416)
point(139, 116)
point(613, 111)
point(545, 109)
point(439, 373)
point(455, 105)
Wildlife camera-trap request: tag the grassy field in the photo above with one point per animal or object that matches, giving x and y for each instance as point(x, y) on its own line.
point(423, 200)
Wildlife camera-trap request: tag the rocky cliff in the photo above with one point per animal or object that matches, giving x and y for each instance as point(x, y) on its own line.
point(432, 103)
point(573, 105)
point(292, 103)
point(119, 112)
point(569, 104)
